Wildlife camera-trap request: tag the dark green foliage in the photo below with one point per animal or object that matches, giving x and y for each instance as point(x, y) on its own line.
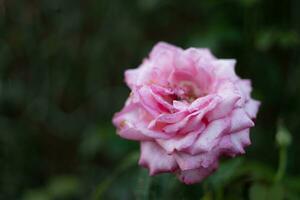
point(61, 80)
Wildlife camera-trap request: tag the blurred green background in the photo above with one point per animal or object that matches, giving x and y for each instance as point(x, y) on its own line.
point(61, 80)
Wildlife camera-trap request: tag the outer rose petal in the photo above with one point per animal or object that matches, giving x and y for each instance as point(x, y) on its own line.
point(180, 142)
point(196, 175)
point(240, 120)
point(234, 143)
point(230, 96)
point(142, 75)
point(199, 53)
point(131, 133)
point(210, 136)
point(224, 68)
point(187, 161)
point(251, 108)
point(245, 89)
point(156, 159)
point(125, 121)
point(132, 125)
point(163, 47)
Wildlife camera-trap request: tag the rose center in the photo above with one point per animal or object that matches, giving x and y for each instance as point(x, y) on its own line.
point(187, 91)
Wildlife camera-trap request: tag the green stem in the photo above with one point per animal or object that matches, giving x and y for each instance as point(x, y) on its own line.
point(282, 164)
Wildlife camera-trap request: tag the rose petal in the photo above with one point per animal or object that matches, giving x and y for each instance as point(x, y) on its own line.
point(156, 159)
point(210, 136)
point(224, 68)
point(196, 175)
point(180, 105)
point(207, 105)
point(251, 108)
point(168, 118)
point(148, 101)
point(132, 124)
point(230, 96)
point(179, 142)
point(203, 102)
point(245, 89)
point(199, 53)
point(187, 161)
point(162, 47)
point(125, 121)
point(240, 120)
point(234, 144)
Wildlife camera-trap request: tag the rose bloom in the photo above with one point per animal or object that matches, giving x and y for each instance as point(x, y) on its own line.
point(187, 108)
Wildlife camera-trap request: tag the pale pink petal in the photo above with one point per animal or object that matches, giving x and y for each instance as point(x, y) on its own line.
point(162, 47)
point(180, 105)
point(207, 105)
point(194, 124)
point(199, 53)
point(163, 103)
point(234, 143)
point(204, 80)
point(168, 118)
point(245, 86)
point(224, 68)
point(126, 123)
point(179, 77)
point(240, 120)
point(210, 136)
point(187, 161)
point(203, 102)
point(156, 159)
point(148, 101)
point(131, 77)
point(196, 175)
point(229, 95)
point(179, 142)
point(161, 90)
point(132, 124)
point(162, 60)
point(173, 128)
point(155, 134)
point(141, 75)
point(251, 108)
point(245, 89)
point(131, 133)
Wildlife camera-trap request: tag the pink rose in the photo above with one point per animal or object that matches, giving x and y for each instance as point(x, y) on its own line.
point(187, 108)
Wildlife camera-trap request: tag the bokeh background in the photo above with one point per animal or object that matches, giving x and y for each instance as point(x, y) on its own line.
point(61, 80)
